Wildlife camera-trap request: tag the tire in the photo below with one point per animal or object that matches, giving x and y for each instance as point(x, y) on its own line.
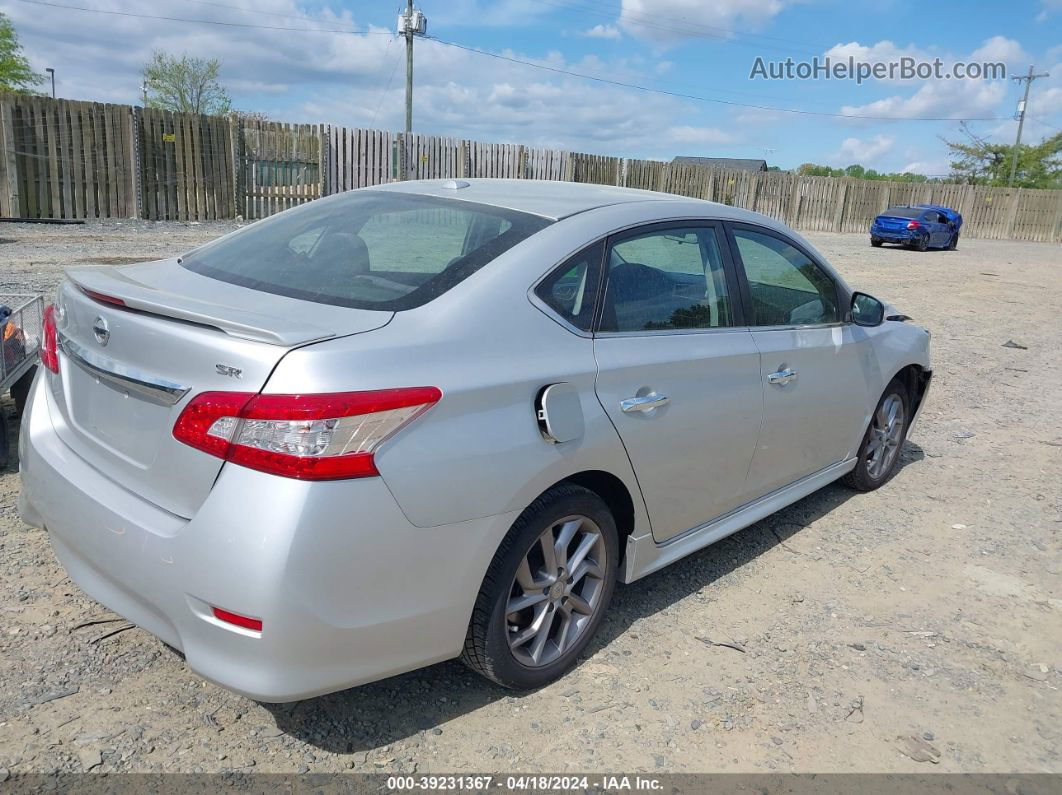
point(20, 390)
point(871, 472)
point(922, 243)
point(4, 455)
point(953, 244)
point(876, 242)
point(493, 645)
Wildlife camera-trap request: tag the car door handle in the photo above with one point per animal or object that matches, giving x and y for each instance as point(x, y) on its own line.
point(646, 403)
point(782, 377)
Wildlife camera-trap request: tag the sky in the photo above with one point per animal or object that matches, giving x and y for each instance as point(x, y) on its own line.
point(339, 62)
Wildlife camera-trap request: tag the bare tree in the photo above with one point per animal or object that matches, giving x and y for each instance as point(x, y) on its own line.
point(185, 84)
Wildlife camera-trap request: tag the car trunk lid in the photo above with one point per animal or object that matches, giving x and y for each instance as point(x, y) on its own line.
point(893, 222)
point(136, 344)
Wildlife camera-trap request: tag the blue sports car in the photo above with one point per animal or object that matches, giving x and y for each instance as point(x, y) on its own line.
point(920, 226)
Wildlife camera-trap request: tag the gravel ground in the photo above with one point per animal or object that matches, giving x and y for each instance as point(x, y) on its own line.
point(913, 629)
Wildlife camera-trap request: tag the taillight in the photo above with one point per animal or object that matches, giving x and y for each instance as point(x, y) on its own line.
point(50, 341)
point(913, 225)
point(309, 437)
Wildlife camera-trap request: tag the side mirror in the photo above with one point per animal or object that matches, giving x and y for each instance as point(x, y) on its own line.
point(867, 310)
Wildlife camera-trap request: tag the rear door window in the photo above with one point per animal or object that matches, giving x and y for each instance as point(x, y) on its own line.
point(666, 279)
point(366, 249)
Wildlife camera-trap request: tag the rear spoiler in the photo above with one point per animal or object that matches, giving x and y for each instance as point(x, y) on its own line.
point(109, 283)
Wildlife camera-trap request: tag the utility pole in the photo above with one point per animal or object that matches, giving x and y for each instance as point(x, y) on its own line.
point(51, 72)
point(410, 23)
point(143, 88)
point(1021, 118)
point(409, 68)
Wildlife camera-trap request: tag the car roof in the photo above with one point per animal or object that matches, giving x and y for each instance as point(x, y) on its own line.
point(551, 199)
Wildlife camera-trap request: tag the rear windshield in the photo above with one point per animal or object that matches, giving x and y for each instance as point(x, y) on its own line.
point(903, 212)
point(366, 249)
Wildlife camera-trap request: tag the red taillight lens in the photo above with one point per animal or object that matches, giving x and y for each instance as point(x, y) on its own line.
point(50, 341)
point(914, 225)
point(237, 620)
point(309, 437)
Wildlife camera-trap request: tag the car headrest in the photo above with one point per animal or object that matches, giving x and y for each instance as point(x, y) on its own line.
point(344, 251)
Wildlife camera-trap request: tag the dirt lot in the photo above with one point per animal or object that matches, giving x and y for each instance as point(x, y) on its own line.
point(920, 622)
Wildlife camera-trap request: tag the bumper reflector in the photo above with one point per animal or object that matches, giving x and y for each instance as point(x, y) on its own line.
point(237, 620)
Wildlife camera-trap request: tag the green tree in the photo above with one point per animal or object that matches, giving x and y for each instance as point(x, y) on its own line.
point(977, 161)
point(15, 72)
point(857, 171)
point(185, 84)
point(815, 170)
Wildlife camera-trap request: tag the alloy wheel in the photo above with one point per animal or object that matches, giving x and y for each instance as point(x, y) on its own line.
point(886, 436)
point(558, 588)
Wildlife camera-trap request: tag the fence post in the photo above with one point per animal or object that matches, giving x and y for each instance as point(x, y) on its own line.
point(1055, 233)
point(838, 210)
point(134, 155)
point(9, 199)
point(795, 195)
point(964, 202)
point(1012, 214)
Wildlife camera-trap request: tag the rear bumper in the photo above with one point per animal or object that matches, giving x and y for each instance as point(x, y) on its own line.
point(893, 236)
point(347, 589)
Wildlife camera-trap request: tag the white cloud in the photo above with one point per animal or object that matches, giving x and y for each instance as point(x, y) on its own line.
point(1045, 97)
point(863, 151)
point(1049, 7)
point(931, 168)
point(879, 52)
point(941, 99)
point(665, 22)
point(937, 98)
point(702, 136)
point(1000, 48)
point(357, 80)
point(602, 32)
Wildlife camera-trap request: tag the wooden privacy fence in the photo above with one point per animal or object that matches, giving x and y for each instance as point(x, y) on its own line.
point(65, 159)
point(279, 166)
point(185, 166)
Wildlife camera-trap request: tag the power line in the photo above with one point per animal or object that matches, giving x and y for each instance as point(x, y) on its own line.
point(510, 59)
point(697, 98)
point(203, 21)
point(387, 88)
point(246, 10)
point(1044, 123)
point(683, 27)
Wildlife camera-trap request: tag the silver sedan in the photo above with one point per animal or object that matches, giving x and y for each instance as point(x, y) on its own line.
point(441, 419)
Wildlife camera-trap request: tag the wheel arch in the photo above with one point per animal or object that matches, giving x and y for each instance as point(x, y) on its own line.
point(615, 494)
point(915, 378)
